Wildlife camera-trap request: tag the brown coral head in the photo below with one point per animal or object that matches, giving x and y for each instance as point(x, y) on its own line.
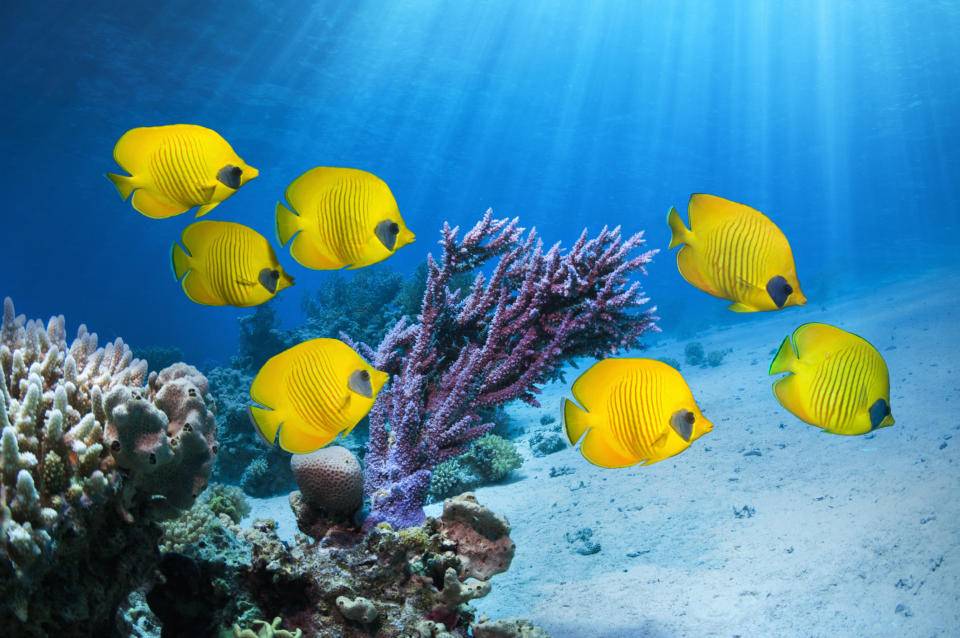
point(330, 479)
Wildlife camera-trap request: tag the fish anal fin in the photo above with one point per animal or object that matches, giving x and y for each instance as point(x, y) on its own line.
point(602, 452)
point(789, 391)
point(307, 254)
point(148, 204)
point(690, 270)
point(739, 306)
point(297, 438)
point(197, 292)
point(206, 208)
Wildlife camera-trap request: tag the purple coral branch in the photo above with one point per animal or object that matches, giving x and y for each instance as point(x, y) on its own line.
point(511, 332)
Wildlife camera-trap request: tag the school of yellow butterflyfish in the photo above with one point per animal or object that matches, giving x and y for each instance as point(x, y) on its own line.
point(631, 410)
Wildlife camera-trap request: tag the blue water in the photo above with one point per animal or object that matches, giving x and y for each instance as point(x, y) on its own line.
point(837, 119)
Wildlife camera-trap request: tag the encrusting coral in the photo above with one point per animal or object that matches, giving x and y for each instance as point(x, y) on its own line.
point(89, 457)
point(466, 353)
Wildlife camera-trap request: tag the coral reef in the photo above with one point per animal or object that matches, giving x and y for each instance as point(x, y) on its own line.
point(489, 459)
point(87, 463)
point(715, 358)
point(544, 443)
point(263, 629)
point(330, 479)
point(466, 352)
point(163, 439)
point(217, 507)
point(331, 491)
point(694, 353)
point(382, 584)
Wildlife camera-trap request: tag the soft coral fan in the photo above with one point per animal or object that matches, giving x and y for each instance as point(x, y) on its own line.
point(512, 330)
point(86, 461)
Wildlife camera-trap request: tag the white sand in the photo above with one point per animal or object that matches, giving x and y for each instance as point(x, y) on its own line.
point(845, 529)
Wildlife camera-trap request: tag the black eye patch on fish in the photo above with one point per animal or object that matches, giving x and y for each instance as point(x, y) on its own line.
point(779, 290)
point(229, 176)
point(268, 278)
point(387, 232)
point(682, 423)
point(878, 412)
point(359, 382)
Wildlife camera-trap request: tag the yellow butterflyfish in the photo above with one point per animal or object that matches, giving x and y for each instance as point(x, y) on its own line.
point(227, 264)
point(736, 253)
point(176, 167)
point(340, 217)
point(312, 393)
point(837, 380)
point(634, 411)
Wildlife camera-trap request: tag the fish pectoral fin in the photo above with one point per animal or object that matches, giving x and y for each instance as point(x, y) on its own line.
point(245, 282)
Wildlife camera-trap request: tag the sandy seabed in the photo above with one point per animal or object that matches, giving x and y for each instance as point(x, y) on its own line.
point(765, 526)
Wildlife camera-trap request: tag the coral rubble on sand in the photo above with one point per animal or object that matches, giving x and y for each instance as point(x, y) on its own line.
point(90, 455)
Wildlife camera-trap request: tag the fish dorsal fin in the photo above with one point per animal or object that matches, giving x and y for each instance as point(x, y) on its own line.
point(814, 340)
point(595, 383)
point(709, 211)
point(198, 236)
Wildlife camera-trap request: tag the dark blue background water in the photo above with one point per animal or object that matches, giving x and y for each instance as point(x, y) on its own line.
point(837, 119)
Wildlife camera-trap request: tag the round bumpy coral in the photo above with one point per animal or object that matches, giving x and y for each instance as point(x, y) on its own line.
point(82, 476)
point(330, 479)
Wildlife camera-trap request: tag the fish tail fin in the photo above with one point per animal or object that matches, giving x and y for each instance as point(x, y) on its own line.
point(125, 184)
point(785, 360)
point(288, 224)
point(265, 423)
point(179, 261)
point(680, 233)
point(576, 421)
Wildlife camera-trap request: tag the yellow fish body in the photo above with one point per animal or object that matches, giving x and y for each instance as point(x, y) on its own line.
point(313, 392)
point(634, 411)
point(735, 252)
point(340, 217)
point(838, 381)
point(174, 168)
point(227, 264)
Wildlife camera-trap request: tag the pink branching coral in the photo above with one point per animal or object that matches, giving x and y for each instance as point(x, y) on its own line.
point(469, 352)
